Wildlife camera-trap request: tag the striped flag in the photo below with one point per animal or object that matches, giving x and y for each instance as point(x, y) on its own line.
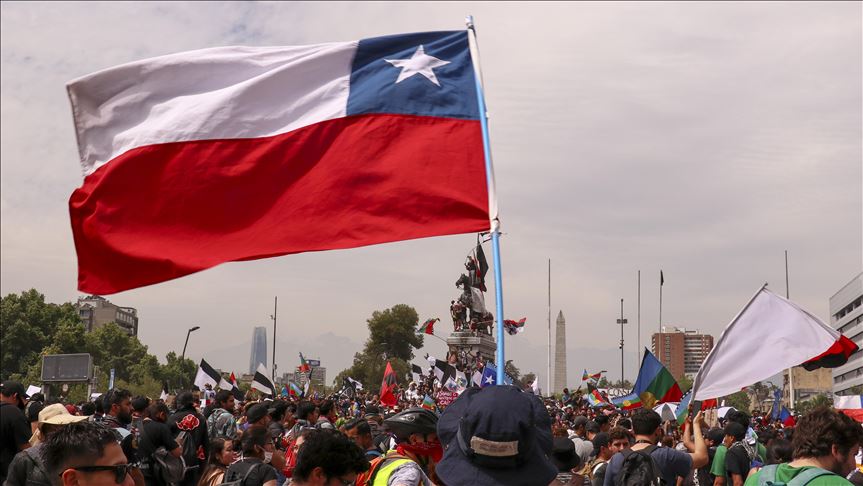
point(514, 327)
point(206, 375)
point(428, 403)
point(304, 365)
point(427, 327)
point(255, 152)
point(261, 381)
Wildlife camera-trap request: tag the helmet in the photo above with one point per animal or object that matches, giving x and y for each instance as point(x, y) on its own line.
point(412, 421)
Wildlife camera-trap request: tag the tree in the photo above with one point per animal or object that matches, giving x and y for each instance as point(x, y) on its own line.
point(176, 373)
point(811, 403)
point(603, 383)
point(739, 401)
point(112, 348)
point(393, 338)
point(685, 383)
point(527, 379)
point(27, 325)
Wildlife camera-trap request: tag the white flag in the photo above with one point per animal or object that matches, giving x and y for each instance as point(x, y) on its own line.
point(262, 382)
point(769, 335)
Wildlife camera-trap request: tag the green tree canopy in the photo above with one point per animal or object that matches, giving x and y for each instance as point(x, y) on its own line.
point(393, 338)
point(27, 325)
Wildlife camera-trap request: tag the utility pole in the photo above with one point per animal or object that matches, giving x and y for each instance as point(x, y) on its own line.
point(273, 317)
point(790, 370)
point(621, 321)
point(638, 318)
point(548, 382)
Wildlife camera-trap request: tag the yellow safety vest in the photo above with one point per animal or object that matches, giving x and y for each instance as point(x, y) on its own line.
point(386, 470)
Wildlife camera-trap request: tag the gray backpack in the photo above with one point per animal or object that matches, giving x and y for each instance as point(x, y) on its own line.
point(768, 476)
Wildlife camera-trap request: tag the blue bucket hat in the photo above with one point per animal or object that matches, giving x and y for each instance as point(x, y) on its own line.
point(497, 435)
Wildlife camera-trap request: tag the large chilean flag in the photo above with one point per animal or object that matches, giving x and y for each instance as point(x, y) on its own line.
point(237, 153)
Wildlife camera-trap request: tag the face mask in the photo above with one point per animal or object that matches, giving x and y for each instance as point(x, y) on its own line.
point(268, 456)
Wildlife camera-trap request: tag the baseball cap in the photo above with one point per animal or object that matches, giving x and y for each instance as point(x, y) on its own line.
point(579, 421)
point(600, 440)
point(256, 412)
point(496, 435)
point(563, 454)
point(10, 388)
point(56, 414)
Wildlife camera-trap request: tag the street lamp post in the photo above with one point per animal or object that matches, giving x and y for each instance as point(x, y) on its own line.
point(183, 356)
point(621, 321)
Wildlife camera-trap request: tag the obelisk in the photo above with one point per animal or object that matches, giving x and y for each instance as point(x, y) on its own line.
point(560, 354)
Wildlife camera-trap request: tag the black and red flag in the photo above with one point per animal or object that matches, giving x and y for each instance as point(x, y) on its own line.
point(388, 396)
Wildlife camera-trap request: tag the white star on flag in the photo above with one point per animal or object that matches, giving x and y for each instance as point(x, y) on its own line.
point(419, 63)
point(489, 380)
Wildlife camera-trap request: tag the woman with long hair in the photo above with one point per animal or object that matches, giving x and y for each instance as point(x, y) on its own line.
point(221, 456)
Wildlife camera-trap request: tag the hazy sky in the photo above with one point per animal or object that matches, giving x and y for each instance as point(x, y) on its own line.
point(703, 139)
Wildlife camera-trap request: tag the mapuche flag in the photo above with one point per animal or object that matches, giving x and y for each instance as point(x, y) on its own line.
point(655, 384)
point(225, 154)
point(388, 386)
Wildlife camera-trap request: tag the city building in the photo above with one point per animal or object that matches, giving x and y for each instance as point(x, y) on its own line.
point(560, 354)
point(318, 377)
point(846, 316)
point(806, 383)
point(680, 350)
point(96, 311)
point(258, 354)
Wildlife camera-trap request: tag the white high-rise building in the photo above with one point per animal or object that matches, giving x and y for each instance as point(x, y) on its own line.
point(846, 315)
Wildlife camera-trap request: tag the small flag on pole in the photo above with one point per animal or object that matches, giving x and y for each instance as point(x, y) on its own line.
point(261, 381)
point(514, 327)
point(304, 365)
point(206, 375)
point(427, 327)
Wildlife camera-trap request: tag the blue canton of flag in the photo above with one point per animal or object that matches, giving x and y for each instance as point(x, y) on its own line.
point(489, 376)
point(426, 73)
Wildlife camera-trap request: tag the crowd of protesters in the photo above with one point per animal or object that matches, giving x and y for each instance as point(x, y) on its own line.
point(492, 435)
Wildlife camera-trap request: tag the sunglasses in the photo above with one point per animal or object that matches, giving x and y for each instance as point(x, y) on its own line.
point(120, 470)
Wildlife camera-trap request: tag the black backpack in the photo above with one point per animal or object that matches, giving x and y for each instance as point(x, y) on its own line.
point(639, 469)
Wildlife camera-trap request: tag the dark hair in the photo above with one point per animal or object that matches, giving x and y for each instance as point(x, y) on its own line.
point(37, 397)
point(78, 444)
point(779, 451)
point(304, 409)
point(278, 413)
point(362, 426)
point(645, 421)
point(819, 430)
point(601, 440)
point(333, 452)
point(184, 400)
point(326, 407)
point(99, 405)
point(222, 396)
point(617, 433)
point(625, 423)
point(741, 418)
point(140, 403)
point(115, 397)
point(88, 408)
point(156, 409)
point(734, 429)
point(254, 436)
point(592, 427)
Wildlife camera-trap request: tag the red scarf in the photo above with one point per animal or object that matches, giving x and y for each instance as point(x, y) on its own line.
point(422, 451)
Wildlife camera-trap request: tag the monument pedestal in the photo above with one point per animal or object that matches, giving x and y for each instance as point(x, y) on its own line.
point(467, 346)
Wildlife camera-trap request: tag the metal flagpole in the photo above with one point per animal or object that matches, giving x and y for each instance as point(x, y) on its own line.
point(790, 370)
point(638, 319)
point(275, 313)
point(549, 390)
point(492, 198)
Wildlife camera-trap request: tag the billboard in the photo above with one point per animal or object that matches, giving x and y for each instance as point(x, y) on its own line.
point(67, 367)
point(313, 362)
